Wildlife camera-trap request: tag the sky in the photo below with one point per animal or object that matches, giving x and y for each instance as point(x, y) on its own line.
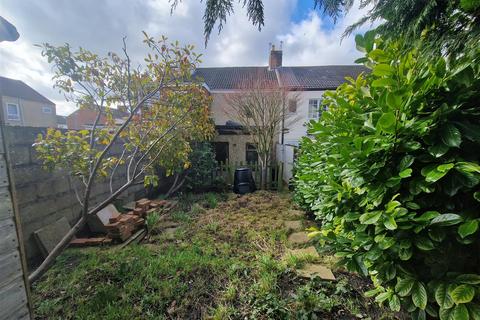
point(308, 37)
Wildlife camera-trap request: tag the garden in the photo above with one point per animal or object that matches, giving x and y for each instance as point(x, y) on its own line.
point(386, 184)
point(215, 256)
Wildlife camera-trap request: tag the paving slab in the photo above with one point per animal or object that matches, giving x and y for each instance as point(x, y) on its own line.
point(312, 270)
point(309, 251)
point(48, 236)
point(294, 225)
point(170, 232)
point(98, 221)
point(298, 238)
point(166, 224)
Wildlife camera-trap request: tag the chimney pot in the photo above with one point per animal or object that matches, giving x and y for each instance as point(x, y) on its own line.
point(275, 59)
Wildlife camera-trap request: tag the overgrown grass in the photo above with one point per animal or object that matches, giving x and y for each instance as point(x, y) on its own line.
point(223, 263)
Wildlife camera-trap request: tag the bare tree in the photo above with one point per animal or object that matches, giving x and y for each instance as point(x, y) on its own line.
point(262, 109)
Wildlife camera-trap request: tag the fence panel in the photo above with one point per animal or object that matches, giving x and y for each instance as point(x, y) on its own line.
point(226, 171)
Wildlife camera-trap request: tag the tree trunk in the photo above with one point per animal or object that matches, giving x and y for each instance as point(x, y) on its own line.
point(176, 185)
point(264, 172)
point(34, 276)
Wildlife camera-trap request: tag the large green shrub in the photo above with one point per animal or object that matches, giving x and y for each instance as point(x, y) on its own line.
point(392, 173)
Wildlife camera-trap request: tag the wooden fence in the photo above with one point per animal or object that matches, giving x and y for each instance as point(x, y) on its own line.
point(274, 173)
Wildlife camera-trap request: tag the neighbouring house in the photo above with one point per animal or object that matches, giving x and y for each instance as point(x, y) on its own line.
point(84, 118)
point(23, 106)
point(305, 84)
point(61, 122)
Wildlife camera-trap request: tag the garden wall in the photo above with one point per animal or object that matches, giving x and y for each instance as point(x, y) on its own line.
point(44, 197)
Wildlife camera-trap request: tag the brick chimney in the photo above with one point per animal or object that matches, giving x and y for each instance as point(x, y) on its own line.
point(275, 59)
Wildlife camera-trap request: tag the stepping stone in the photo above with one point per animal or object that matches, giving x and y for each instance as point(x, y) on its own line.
point(311, 271)
point(298, 238)
point(295, 225)
point(167, 224)
point(300, 253)
point(170, 233)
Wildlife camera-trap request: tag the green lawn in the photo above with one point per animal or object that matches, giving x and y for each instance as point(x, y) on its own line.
point(220, 263)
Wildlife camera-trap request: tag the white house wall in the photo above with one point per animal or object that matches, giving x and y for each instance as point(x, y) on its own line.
point(298, 129)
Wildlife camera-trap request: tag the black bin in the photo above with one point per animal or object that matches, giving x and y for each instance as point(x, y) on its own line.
point(243, 181)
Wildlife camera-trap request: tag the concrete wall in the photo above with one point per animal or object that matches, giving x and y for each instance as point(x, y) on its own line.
point(31, 113)
point(43, 197)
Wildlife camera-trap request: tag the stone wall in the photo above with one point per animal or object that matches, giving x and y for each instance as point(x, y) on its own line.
point(44, 197)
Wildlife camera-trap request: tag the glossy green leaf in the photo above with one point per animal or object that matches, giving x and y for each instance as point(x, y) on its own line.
point(463, 293)
point(382, 70)
point(387, 122)
point(419, 295)
point(370, 217)
point(404, 287)
point(394, 303)
point(460, 312)
point(468, 278)
point(438, 150)
point(443, 297)
point(451, 136)
point(446, 219)
point(383, 82)
point(467, 228)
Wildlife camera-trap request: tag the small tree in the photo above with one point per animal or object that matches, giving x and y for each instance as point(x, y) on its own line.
point(166, 111)
point(261, 108)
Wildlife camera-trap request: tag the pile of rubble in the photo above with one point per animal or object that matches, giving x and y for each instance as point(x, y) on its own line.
point(119, 227)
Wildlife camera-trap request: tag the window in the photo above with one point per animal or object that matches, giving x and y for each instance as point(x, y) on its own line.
point(47, 110)
point(314, 110)
point(251, 155)
point(292, 106)
point(13, 112)
point(221, 152)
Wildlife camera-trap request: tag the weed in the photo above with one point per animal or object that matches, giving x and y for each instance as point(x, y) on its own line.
point(211, 200)
point(152, 220)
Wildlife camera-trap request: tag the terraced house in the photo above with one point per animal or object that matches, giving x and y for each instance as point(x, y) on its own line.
point(306, 83)
point(24, 106)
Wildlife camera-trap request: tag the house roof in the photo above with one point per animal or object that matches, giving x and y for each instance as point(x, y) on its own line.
point(317, 77)
point(19, 89)
point(61, 119)
point(299, 78)
point(116, 114)
point(230, 78)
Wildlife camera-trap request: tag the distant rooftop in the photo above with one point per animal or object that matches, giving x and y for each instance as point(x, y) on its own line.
point(295, 78)
point(19, 89)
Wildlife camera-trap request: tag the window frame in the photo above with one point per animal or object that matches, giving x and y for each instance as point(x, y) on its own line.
point(9, 115)
point(249, 150)
point(291, 102)
point(319, 109)
point(45, 108)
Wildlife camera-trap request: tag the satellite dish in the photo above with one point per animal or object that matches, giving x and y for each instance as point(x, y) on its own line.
point(8, 32)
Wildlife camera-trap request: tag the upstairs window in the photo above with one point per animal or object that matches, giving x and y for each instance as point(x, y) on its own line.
point(13, 112)
point(47, 110)
point(315, 108)
point(292, 106)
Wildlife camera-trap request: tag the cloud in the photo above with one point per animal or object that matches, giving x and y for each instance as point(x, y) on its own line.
point(100, 25)
point(312, 42)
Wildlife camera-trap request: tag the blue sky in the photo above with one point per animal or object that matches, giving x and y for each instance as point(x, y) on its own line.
point(309, 38)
